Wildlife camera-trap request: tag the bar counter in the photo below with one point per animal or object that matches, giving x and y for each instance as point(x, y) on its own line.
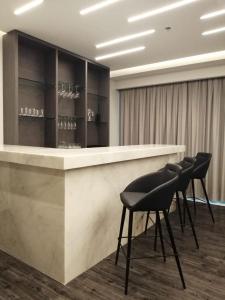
point(60, 209)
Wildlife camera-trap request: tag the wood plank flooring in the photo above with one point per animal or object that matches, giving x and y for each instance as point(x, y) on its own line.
point(152, 279)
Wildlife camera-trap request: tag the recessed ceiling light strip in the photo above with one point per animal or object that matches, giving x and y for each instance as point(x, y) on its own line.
point(125, 38)
point(179, 62)
point(214, 31)
point(213, 14)
point(160, 10)
point(120, 53)
point(97, 6)
point(2, 33)
point(27, 7)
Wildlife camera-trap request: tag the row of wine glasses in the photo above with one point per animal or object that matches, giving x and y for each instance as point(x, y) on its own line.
point(66, 145)
point(67, 123)
point(31, 112)
point(68, 90)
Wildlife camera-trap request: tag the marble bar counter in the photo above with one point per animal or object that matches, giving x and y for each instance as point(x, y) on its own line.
point(60, 209)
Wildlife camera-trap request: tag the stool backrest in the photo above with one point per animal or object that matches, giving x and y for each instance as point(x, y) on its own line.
point(201, 165)
point(159, 188)
point(187, 165)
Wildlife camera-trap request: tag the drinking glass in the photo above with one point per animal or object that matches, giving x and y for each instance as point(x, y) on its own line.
point(89, 114)
point(42, 113)
point(21, 111)
point(70, 91)
point(72, 124)
point(61, 123)
point(68, 124)
point(59, 87)
point(76, 93)
point(26, 111)
point(62, 91)
point(66, 91)
point(64, 123)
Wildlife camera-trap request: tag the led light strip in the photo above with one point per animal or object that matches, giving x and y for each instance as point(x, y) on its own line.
point(27, 7)
point(214, 31)
point(213, 14)
point(97, 6)
point(160, 10)
point(119, 53)
point(2, 33)
point(125, 38)
point(179, 62)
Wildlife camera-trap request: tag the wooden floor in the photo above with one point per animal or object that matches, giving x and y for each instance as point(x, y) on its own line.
point(151, 279)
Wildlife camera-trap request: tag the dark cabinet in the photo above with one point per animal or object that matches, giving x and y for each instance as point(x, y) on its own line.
point(52, 97)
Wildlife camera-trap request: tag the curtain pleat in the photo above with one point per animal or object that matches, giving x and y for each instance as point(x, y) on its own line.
point(189, 113)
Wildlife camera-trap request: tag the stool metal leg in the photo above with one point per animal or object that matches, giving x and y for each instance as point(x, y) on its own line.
point(128, 251)
point(161, 235)
point(120, 233)
point(184, 215)
point(179, 211)
point(156, 233)
point(193, 194)
point(207, 199)
point(190, 219)
point(146, 223)
point(174, 247)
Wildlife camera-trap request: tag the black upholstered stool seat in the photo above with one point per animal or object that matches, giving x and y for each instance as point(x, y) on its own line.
point(131, 199)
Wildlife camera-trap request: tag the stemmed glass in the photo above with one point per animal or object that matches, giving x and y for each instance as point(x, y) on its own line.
point(61, 91)
point(68, 90)
point(76, 93)
point(70, 93)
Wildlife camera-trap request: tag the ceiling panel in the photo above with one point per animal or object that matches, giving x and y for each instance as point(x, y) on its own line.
point(60, 23)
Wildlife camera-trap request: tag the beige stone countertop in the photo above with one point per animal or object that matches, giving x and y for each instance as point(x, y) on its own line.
point(66, 159)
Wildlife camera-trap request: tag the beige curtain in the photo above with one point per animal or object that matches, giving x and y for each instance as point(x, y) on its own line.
point(189, 113)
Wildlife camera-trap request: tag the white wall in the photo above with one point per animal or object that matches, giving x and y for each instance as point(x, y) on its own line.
point(1, 95)
point(172, 76)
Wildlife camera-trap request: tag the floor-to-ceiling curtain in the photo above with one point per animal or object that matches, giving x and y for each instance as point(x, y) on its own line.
point(189, 113)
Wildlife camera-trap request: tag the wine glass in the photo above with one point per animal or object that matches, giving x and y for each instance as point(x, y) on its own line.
point(76, 94)
point(70, 93)
point(66, 92)
point(62, 90)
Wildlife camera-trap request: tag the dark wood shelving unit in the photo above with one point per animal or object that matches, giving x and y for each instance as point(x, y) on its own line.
point(34, 71)
point(98, 103)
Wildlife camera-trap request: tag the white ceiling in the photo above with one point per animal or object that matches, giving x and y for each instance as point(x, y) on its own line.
point(59, 22)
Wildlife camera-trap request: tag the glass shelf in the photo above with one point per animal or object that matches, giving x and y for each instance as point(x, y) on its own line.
point(33, 117)
point(34, 83)
point(97, 122)
point(68, 98)
point(67, 129)
point(92, 93)
point(70, 117)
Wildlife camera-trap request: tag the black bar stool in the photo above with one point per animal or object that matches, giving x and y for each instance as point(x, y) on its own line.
point(199, 172)
point(187, 166)
point(152, 192)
